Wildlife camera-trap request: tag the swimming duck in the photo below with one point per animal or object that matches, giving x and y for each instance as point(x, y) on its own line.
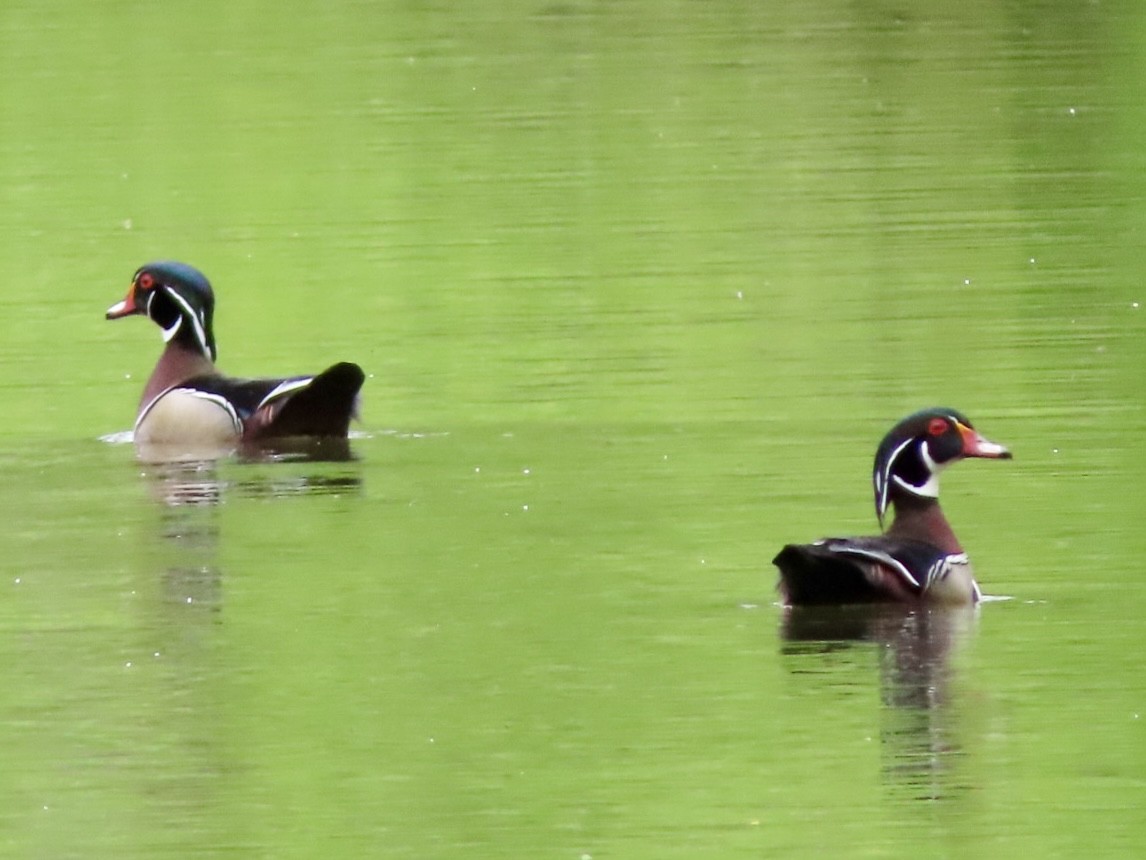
point(187, 401)
point(918, 559)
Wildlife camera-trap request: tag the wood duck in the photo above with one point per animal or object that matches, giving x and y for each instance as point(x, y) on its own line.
point(918, 559)
point(188, 402)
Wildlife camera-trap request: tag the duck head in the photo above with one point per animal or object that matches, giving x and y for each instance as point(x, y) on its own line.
point(178, 298)
point(914, 452)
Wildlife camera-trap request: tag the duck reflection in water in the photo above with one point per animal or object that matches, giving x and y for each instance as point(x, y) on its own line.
point(913, 645)
point(190, 491)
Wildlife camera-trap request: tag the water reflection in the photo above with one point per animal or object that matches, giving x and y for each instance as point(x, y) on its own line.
point(189, 493)
point(918, 732)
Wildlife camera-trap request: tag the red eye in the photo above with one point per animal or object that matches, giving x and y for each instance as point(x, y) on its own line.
point(937, 427)
point(145, 281)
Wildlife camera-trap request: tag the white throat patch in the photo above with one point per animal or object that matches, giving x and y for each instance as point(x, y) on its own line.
point(169, 333)
point(198, 323)
point(930, 487)
point(884, 479)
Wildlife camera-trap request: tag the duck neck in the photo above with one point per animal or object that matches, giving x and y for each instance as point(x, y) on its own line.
point(176, 364)
point(922, 519)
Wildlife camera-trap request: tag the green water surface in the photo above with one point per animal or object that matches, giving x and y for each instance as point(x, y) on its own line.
point(638, 287)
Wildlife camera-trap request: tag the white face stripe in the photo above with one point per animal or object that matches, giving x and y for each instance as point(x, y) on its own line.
point(931, 487)
point(196, 317)
point(883, 479)
point(170, 332)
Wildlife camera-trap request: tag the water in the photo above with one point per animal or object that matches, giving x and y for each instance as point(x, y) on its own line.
point(639, 288)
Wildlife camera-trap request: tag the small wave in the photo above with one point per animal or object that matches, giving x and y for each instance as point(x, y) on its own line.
point(400, 434)
point(995, 598)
